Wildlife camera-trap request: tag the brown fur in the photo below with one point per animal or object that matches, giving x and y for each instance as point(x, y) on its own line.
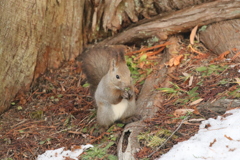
point(96, 62)
point(110, 81)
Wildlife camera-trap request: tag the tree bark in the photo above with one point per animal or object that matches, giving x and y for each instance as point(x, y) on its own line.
point(35, 36)
point(223, 36)
point(116, 15)
point(177, 22)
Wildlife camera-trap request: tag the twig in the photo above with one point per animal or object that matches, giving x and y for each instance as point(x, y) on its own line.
point(32, 94)
point(194, 50)
point(23, 121)
point(17, 128)
point(150, 48)
point(168, 137)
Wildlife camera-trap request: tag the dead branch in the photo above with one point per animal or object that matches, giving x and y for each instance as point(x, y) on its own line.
point(180, 21)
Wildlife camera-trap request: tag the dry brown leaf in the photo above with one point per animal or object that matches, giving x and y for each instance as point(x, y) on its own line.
point(170, 63)
point(196, 102)
point(190, 81)
point(186, 122)
point(193, 34)
point(220, 57)
point(73, 148)
point(195, 110)
point(182, 112)
point(223, 55)
point(238, 80)
point(186, 74)
point(232, 149)
point(196, 120)
point(175, 61)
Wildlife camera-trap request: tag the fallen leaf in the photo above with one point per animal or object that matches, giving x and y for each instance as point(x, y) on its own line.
point(74, 147)
point(185, 122)
point(220, 57)
point(177, 60)
point(190, 81)
point(231, 150)
point(193, 34)
point(224, 54)
point(196, 102)
point(196, 120)
point(186, 74)
point(182, 112)
point(238, 80)
point(174, 61)
point(207, 126)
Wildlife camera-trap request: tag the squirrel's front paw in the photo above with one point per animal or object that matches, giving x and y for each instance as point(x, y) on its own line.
point(127, 93)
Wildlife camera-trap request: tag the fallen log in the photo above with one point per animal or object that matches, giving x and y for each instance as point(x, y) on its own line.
point(177, 22)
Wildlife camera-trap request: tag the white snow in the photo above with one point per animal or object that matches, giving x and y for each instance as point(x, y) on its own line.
point(61, 154)
point(219, 141)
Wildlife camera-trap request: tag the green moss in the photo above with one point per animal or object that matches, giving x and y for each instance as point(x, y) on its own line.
point(154, 139)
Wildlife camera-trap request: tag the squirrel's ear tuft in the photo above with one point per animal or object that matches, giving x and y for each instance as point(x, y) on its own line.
point(120, 56)
point(113, 65)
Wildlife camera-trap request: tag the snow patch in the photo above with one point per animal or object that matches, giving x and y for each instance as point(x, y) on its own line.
point(217, 139)
point(61, 154)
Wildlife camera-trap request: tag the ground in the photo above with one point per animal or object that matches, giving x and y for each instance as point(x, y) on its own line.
point(58, 111)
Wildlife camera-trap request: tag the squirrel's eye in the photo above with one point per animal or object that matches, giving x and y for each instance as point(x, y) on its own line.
point(117, 76)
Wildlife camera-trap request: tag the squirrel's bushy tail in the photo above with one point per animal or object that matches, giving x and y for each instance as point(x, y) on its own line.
point(96, 61)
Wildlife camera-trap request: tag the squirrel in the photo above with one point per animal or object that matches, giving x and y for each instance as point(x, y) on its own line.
point(110, 84)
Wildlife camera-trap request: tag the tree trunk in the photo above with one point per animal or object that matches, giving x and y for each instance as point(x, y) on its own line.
point(35, 36)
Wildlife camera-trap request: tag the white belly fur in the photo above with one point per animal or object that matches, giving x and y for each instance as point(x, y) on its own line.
point(119, 109)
